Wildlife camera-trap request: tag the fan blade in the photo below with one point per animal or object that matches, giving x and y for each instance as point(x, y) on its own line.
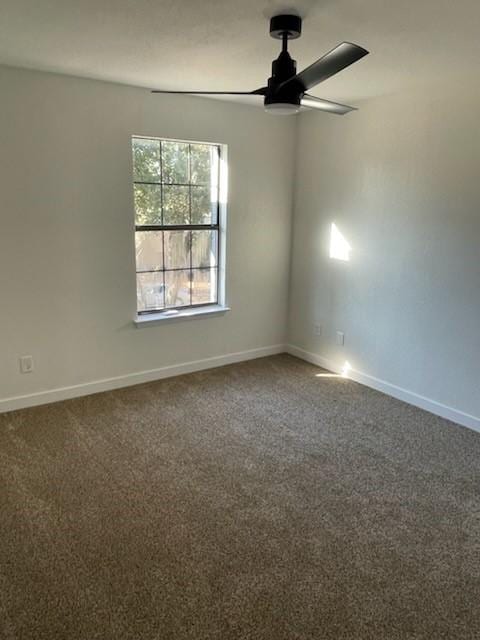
point(332, 62)
point(257, 92)
point(325, 105)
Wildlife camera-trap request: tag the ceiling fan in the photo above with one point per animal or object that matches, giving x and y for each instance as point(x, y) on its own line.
point(286, 90)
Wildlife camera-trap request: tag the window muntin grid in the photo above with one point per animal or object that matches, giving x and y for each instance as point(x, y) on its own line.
point(176, 188)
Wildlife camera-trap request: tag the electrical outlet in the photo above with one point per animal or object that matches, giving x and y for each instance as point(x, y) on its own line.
point(26, 364)
point(317, 329)
point(340, 338)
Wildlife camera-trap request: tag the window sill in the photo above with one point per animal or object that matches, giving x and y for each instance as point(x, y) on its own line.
point(172, 316)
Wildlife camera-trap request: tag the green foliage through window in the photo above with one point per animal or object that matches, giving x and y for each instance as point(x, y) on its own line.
point(176, 187)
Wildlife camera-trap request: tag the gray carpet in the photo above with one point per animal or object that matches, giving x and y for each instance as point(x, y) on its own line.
point(252, 501)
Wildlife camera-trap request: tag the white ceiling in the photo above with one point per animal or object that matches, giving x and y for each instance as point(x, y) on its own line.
point(224, 44)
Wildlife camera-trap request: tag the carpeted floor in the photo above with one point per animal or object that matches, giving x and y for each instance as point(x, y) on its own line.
point(255, 501)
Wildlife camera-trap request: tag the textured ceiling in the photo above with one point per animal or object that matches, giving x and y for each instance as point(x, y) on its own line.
point(224, 44)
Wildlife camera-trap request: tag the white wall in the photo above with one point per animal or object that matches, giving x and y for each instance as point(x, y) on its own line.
point(401, 179)
point(67, 290)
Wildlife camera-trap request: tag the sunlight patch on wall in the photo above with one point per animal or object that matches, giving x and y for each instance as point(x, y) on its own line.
point(339, 247)
point(346, 369)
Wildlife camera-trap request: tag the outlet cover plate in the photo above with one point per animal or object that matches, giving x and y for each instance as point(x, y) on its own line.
point(26, 364)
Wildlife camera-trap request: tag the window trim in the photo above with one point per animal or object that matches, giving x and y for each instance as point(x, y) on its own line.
point(202, 309)
point(174, 315)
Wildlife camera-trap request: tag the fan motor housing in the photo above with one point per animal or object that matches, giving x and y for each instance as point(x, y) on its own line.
point(290, 96)
point(283, 68)
point(286, 24)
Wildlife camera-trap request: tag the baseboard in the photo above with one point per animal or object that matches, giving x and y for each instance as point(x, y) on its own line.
point(439, 409)
point(107, 384)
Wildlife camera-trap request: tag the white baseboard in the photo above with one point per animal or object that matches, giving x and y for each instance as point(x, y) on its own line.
point(439, 409)
point(107, 384)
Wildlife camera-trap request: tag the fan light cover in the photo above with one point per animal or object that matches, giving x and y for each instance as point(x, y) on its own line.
point(282, 108)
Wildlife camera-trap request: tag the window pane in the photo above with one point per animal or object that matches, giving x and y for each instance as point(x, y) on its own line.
point(177, 288)
point(177, 249)
point(148, 204)
point(146, 160)
point(176, 205)
point(149, 250)
point(203, 207)
point(204, 289)
point(201, 156)
point(204, 248)
point(175, 183)
point(175, 162)
point(149, 291)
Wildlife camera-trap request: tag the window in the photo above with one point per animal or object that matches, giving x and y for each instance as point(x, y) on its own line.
point(177, 224)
